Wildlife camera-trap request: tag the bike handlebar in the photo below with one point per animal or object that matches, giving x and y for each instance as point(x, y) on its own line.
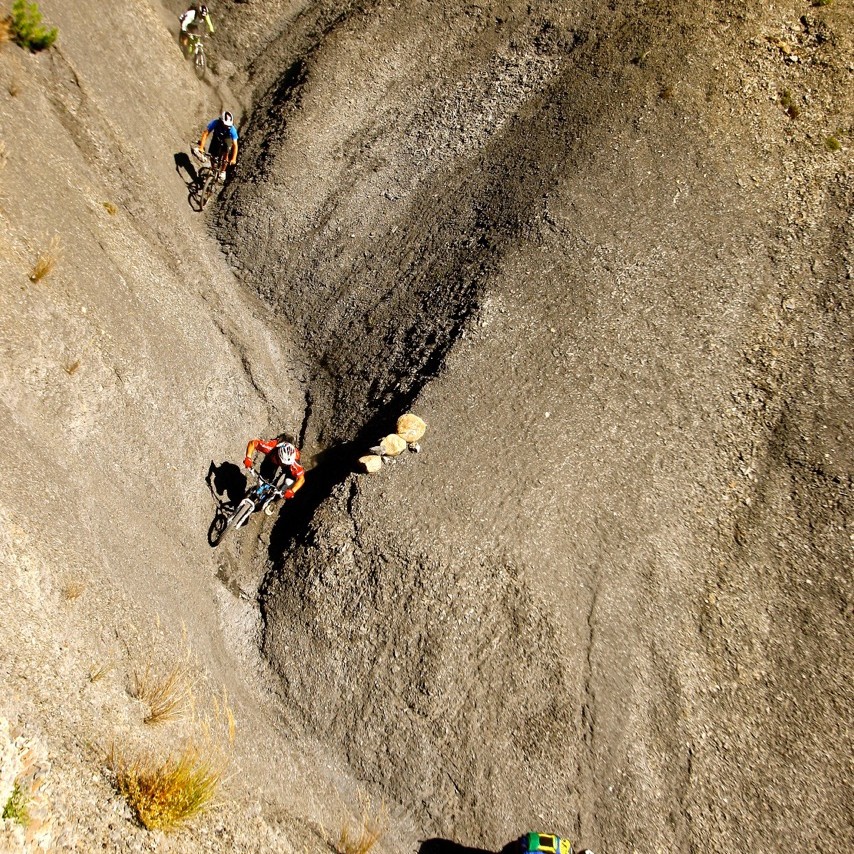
point(258, 476)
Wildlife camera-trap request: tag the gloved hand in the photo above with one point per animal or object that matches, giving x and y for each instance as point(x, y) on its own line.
point(289, 493)
point(247, 462)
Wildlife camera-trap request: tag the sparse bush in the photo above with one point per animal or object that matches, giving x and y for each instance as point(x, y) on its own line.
point(640, 58)
point(72, 589)
point(46, 261)
point(27, 29)
point(5, 31)
point(165, 793)
point(165, 695)
point(787, 101)
point(16, 807)
point(371, 828)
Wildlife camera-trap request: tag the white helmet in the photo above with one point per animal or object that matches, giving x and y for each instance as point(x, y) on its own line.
point(287, 453)
point(227, 118)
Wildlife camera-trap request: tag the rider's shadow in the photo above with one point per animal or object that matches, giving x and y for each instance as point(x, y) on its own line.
point(191, 178)
point(227, 483)
point(185, 168)
point(448, 846)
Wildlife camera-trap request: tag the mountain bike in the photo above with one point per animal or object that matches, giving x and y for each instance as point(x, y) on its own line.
point(196, 50)
point(259, 497)
point(211, 174)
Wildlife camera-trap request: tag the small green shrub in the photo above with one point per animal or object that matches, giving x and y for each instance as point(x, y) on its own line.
point(640, 58)
point(27, 27)
point(832, 144)
point(16, 807)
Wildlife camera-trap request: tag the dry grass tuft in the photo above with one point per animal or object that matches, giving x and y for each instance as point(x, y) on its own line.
point(5, 31)
point(110, 208)
point(3, 154)
point(223, 718)
point(371, 828)
point(46, 261)
point(98, 671)
point(72, 367)
point(14, 88)
point(165, 793)
point(166, 695)
point(72, 589)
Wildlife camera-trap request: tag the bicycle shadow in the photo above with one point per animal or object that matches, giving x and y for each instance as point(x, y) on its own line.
point(191, 177)
point(228, 485)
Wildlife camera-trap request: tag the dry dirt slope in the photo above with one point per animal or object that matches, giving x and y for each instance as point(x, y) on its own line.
point(129, 368)
point(625, 554)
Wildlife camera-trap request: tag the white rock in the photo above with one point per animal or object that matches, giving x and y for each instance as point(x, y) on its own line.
point(410, 427)
point(392, 445)
point(371, 463)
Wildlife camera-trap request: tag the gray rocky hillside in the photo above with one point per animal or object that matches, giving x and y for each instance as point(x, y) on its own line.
point(604, 249)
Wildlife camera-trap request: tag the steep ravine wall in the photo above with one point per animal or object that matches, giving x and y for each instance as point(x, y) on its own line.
point(572, 223)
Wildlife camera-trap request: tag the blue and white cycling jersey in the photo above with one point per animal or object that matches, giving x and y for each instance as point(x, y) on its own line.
point(222, 133)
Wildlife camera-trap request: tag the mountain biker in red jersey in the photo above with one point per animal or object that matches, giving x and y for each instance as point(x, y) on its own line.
point(285, 458)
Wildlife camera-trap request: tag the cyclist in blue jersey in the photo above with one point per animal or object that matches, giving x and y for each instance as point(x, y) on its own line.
point(223, 136)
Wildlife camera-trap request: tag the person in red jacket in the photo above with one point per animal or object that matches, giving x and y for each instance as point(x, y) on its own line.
point(288, 474)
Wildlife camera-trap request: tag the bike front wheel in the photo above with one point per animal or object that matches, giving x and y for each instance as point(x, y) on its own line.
point(200, 63)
